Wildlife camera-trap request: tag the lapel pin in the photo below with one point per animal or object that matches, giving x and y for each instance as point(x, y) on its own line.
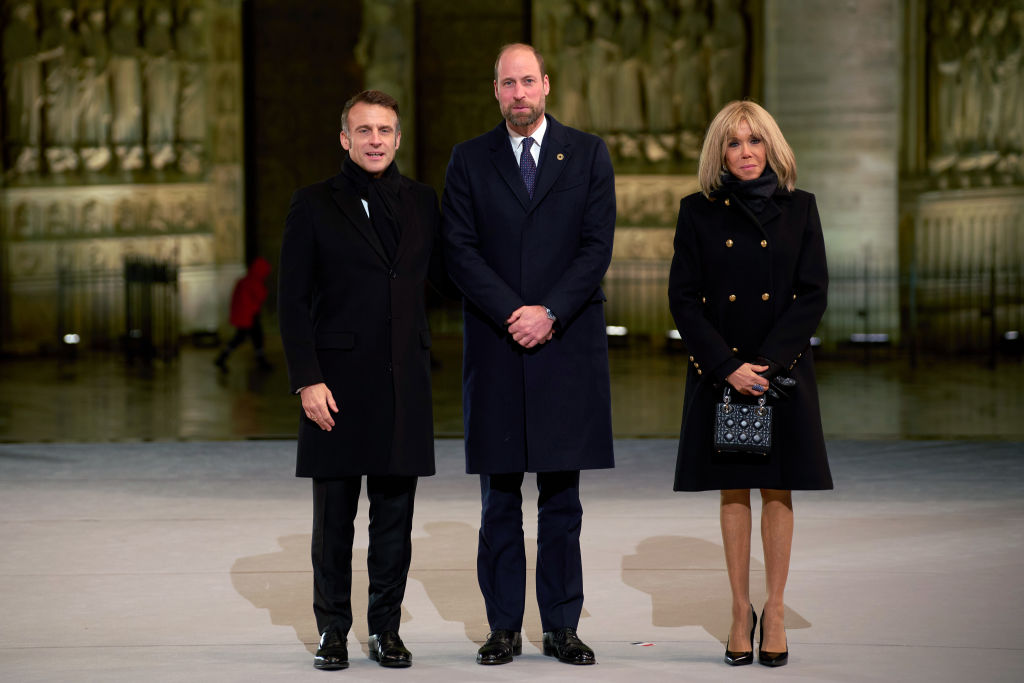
point(560, 156)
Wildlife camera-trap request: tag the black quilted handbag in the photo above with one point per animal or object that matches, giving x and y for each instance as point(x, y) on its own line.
point(742, 428)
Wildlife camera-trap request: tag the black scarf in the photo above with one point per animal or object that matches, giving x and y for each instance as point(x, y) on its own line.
point(753, 193)
point(382, 194)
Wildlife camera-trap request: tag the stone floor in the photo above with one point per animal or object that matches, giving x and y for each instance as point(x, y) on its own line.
point(175, 561)
point(101, 398)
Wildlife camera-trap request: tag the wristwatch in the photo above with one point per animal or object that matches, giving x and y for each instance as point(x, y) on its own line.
point(551, 316)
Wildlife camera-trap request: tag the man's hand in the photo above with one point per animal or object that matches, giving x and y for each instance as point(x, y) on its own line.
point(530, 326)
point(317, 403)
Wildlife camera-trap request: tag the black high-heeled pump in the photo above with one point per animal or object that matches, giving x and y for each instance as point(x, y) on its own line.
point(769, 658)
point(741, 658)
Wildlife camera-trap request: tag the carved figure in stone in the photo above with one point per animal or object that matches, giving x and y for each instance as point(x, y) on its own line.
point(57, 222)
point(91, 219)
point(604, 60)
point(126, 85)
point(192, 49)
point(60, 58)
point(382, 49)
point(1013, 117)
point(94, 90)
point(689, 76)
point(161, 73)
point(22, 223)
point(572, 62)
point(627, 104)
point(1005, 134)
point(23, 88)
point(657, 77)
point(976, 83)
point(727, 54)
point(946, 112)
point(124, 216)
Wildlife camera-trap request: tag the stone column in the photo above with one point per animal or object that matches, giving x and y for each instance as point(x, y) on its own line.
point(833, 81)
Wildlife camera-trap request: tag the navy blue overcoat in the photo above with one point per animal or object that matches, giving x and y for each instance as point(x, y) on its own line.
point(547, 408)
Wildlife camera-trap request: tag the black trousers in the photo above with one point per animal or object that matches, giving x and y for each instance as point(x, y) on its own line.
point(501, 553)
point(387, 562)
point(242, 333)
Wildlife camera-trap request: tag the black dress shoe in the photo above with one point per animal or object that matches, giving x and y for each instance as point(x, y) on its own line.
point(500, 648)
point(770, 658)
point(332, 653)
point(564, 644)
point(740, 658)
point(389, 650)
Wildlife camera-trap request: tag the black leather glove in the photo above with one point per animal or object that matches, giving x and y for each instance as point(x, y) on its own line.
point(775, 378)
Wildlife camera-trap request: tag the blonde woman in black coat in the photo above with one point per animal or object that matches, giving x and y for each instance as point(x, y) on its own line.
point(747, 290)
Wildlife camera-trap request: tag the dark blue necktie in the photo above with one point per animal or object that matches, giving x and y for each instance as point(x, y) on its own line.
point(527, 166)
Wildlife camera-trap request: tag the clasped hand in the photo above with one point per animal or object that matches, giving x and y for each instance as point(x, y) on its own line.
point(746, 376)
point(530, 326)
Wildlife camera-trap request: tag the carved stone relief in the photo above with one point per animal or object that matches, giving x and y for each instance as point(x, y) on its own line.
point(114, 145)
point(645, 74)
point(99, 92)
point(975, 96)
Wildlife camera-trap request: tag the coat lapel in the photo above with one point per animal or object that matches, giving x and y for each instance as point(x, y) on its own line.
point(554, 157)
point(505, 163)
point(352, 208)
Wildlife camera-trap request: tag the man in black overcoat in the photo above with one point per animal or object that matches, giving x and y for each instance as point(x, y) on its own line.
point(356, 253)
point(529, 217)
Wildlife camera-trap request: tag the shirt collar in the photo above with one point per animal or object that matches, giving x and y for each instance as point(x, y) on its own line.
point(538, 136)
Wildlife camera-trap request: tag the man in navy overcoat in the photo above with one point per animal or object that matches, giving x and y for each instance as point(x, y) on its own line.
point(528, 221)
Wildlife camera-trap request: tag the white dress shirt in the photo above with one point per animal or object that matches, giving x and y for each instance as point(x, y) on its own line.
point(538, 139)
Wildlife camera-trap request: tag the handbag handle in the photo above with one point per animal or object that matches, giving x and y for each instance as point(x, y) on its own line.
point(726, 398)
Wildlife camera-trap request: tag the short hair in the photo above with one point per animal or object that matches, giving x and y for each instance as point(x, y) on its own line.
point(371, 97)
point(509, 46)
point(778, 153)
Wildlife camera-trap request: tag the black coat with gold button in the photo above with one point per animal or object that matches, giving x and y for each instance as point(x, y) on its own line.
point(743, 286)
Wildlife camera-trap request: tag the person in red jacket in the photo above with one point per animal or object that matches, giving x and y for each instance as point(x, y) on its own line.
point(246, 301)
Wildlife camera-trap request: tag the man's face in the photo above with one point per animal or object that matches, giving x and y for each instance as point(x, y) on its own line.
point(372, 137)
point(521, 90)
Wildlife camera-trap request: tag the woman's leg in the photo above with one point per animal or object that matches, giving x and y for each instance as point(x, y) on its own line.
point(777, 539)
point(735, 516)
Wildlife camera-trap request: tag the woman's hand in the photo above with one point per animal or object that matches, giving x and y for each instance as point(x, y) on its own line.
point(744, 379)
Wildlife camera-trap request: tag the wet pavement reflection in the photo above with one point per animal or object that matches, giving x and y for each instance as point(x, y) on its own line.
point(99, 397)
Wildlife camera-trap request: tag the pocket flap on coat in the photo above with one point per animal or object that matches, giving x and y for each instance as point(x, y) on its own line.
point(425, 338)
point(336, 340)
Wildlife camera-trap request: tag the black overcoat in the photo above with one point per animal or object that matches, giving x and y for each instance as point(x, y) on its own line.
point(546, 408)
point(741, 287)
point(356, 320)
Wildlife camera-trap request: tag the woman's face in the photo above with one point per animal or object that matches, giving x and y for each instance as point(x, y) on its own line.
point(745, 154)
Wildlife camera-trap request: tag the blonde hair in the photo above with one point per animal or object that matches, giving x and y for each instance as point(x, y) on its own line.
point(724, 125)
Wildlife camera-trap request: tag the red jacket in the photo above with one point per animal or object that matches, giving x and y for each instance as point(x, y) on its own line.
point(249, 294)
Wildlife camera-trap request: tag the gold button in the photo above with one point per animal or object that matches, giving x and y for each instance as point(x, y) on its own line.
point(794, 296)
point(728, 243)
point(765, 296)
point(764, 243)
point(696, 365)
point(732, 297)
point(800, 355)
point(727, 202)
point(703, 299)
point(735, 350)
point(691, 359)
point(701, 373)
